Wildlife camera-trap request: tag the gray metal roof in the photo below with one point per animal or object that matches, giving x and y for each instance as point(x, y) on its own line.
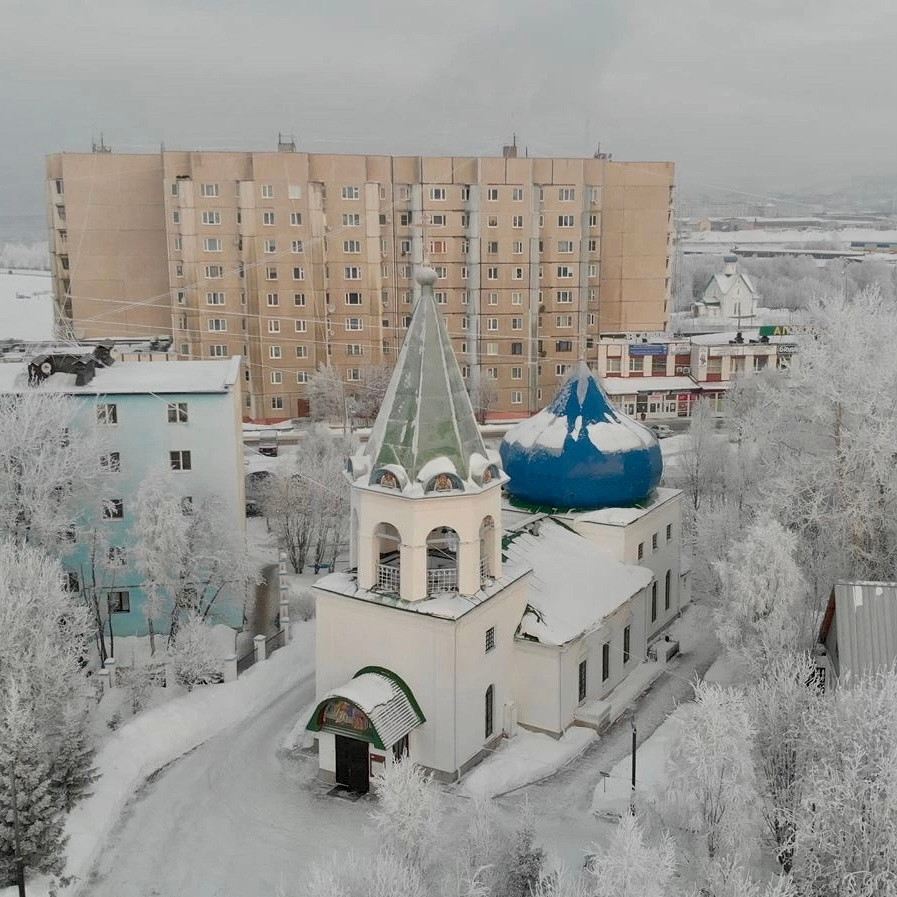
point(866, 620)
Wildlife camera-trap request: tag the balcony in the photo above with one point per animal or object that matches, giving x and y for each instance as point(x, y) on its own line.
point(442, 580)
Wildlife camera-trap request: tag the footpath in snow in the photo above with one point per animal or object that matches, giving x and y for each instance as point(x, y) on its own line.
point(158, 737)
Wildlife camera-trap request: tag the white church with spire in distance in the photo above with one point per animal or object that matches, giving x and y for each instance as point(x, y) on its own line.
point(451, 626)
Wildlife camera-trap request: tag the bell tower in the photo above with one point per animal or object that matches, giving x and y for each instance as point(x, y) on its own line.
point(425, 490)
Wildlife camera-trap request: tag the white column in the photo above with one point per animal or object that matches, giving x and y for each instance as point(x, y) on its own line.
point(367, 563)
point(469, 567)
point(259, 645)
point(229, 668)
point(413, 586)
point(284, 611)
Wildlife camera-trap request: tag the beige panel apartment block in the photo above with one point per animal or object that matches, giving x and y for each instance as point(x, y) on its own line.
point(298, 260)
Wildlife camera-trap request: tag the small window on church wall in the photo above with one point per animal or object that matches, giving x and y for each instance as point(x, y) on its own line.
point(641, 550)
point(443, 482)
point(583, 680)
point(490, 710)
point(489, 474)
point(387, 479)
point(490, 639)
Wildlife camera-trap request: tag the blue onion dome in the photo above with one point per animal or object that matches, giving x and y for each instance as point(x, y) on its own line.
point(580, 452)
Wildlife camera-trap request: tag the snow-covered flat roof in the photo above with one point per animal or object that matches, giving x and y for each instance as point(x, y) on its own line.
point(625, 516)
point(624, 386)
point(134, 377)
point(726, 337)
point(574, 586)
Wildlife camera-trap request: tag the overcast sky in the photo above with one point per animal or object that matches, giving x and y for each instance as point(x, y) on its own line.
point(755, 95)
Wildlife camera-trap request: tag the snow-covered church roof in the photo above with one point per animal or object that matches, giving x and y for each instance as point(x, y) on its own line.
point(580, 452)
point(426, 429)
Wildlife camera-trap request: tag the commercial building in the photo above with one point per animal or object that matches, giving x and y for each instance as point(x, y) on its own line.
point(295, 260)
point(177, 415)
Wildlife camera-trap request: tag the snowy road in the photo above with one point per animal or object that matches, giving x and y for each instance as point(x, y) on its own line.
point(232, 819)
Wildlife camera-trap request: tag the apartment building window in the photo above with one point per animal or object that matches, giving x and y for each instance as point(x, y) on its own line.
point(437, 193)
point(517, 247)
point(182, 297)
point(267, 191)
point(593, 269)
point(273, 300)
point(404, 191)
point(593, 220)
point(517, 194)
point(295, 219)
point(566, 194)
point(605, 661)
point(349, 192)
point(666, 590)
point(561, 369)
point(209, 190)
point(465, 370)
point(277, 403)
point(465, 219)
point(276, 378)
point(299, 300)
point(406, 321)
point(353, 374)
point(627, 643)
point(352, 272)
point(299, 274)
point(180, 460)
point(564, 297)
point(215, 298)
point(464, 277)
point(211, 244)
point(464, 322)
point(465, 296)
point(516, 397)
point(297, 246)
point(274, 352)
point(119, 601)
point(352, 219)
point(492, 323)
point(517, 273)
point(211, 217)
point(404, 219)
point(613, 365)
point(593, 245)
point(175, 217)
point(177, 413)
point(353, 298)
point(565, 271)
point(517, 221)
point(441, 272)
point(465, 194)
point(113, 509)
point(492, 273)
point(564, 321)
point(217, 325)
point(268, 218)
point(440, 297)
point(493, 298)
point(564, 345)
point(636, 364)
point(437, 247)
point(492, 247)
point(274, 325)
point(492, 348)
point(217, 351)
point(301, 351)
point(270, 273)
point(565, 246)
point(111, 462)
point(302, 376)
point(354, 324)
point(270, 246)
point(492, 221)
point(353, 247)
point(492, 194)
point(516, 373)
point(516, 298)
point(107, 413)
point(566, 221)
point(438, 220)
point(517, 323)
point(354, 349)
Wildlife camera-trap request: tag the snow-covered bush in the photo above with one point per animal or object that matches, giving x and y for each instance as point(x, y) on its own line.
point(194, 659)
point(302, 605)
point(383, 875)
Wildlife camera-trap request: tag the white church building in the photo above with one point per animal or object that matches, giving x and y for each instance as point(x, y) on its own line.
point(477, 601)
point(730, 296)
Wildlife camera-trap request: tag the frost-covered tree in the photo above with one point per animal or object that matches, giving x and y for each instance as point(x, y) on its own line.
point(186, 558)
point(31, 807)
point(525, 863)
point(483, 395)
point(372, 391)
point(408, 814)
point(762, 595)
point(383, 875)
point(710, 795)
point(326, 391)
point(72, 766)
point(51, 477)
point(781, 702)
point(846, 832)
point(33, 256)
point(630, 866)
point(700, 465)
point(194, 659)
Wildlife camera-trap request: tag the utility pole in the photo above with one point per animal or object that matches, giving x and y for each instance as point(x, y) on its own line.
point(20, 864)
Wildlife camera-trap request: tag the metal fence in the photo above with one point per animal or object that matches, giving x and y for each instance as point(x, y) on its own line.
point(272, 643)
point(245, 662)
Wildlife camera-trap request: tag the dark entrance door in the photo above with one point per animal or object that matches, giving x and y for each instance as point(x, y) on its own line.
point(352, 763)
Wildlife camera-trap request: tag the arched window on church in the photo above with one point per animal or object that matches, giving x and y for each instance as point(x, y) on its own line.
point(490, 711)
point(387, 544)
point(487, 548)
point(444, 482)
point(442, 560)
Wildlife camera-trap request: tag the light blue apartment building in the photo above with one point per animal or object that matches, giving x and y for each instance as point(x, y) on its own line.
point(184, 416)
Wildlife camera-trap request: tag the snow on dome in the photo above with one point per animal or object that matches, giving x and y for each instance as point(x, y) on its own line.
point(580, 452)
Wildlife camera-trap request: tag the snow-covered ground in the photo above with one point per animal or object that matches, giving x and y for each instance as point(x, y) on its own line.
point(26, 305)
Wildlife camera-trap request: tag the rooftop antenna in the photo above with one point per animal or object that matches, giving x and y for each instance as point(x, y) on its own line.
point(101, 146)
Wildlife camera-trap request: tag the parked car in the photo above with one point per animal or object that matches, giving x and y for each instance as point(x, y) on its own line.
point(661, 431)
point(268, 445)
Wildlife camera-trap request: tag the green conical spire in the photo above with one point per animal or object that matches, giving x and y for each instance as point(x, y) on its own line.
point(426, 413)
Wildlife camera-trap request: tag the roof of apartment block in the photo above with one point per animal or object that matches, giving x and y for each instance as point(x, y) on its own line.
point(134, 377)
